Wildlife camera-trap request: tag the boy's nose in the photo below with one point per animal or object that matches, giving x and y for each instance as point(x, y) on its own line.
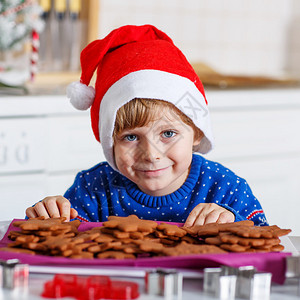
point(150, 151)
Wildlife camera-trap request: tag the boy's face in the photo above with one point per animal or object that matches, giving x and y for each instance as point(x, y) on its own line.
point(157, 156)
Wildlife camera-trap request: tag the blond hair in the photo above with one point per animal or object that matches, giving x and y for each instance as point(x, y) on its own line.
point(140, 112)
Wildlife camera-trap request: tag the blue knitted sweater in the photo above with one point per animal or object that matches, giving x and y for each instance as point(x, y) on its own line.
point(101, 191)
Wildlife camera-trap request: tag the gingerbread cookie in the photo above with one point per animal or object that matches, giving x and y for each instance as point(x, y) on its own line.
point(42, 224)
point(103, 247)
point(128, 248)
point(191, 240)
point(27, 238)
point(229, 238)
point(213, 229)
point(234, 247)
point(85, 236)
point(122, 234)
point(79, 248)
point(253, 232)
point(58, 242)
point(277, 232)
point(104, 238)
point(17, 250)
point(185, 249)
point(169, 242)
point(130, 224)
point(149, 246)
point(171, 230)
point(203, 230)
point(214, 240)
point(82, 255)
point(115, 254)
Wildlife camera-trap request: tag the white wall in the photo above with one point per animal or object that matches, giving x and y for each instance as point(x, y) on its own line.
point(257, 37)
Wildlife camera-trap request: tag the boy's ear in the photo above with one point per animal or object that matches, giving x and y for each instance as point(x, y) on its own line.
point(197, 139)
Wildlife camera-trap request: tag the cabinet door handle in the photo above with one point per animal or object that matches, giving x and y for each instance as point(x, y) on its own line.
point(22, 154)
point(3, 155)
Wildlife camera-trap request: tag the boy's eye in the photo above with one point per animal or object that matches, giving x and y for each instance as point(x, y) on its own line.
point(169, 133)
point(130, 137)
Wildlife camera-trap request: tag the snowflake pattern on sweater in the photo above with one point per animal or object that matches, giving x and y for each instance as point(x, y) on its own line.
point(101, 192)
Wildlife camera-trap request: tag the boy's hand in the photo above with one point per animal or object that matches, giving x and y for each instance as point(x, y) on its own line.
point(52, 207)
point(205, 213)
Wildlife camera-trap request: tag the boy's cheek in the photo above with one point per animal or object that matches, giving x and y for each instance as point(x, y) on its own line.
point(123, 162)
point(181, 151)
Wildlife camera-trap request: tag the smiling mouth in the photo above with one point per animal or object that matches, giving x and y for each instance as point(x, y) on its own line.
point(152, 172)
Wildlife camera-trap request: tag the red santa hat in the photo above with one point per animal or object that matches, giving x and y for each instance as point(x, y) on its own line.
point(137, 62)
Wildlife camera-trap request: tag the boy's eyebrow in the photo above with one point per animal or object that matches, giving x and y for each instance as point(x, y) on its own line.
point(168, 125)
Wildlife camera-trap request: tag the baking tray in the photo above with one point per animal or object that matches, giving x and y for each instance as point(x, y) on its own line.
point(273, 262)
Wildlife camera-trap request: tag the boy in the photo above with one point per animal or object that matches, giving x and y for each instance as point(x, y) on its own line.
point(150, 113)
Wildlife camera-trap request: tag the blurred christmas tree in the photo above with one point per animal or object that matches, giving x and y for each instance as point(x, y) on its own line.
point(18, 19)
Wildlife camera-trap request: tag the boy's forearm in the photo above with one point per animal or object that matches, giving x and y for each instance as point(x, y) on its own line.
point(255, 215)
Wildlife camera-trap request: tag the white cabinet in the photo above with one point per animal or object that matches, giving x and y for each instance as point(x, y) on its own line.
point(22, 145)
point(17, 192)
point(71, 143)
point(44, 142)
point(257, 137)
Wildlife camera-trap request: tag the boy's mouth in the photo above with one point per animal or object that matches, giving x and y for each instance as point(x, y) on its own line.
point(151, 172)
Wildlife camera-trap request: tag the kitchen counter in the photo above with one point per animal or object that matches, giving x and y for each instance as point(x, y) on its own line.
point(218, 99)
point(192, 290)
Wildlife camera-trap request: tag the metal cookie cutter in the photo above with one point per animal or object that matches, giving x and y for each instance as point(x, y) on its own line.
point(220, 282)
point(292, 266)
point(164, 282)
point(13, 274)
point(293, 269)
point(253, 285)
point(227, 283)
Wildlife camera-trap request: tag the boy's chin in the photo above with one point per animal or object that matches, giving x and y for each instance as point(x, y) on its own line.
point(156, 191)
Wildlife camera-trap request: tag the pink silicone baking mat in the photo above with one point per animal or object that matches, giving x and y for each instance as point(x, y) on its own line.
point(273, 262)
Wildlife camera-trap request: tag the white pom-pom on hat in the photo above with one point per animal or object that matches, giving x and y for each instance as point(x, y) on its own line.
point(81, 96)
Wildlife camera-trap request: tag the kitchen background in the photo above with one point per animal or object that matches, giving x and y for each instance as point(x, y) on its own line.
point(231, 36)
point(247, 54)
